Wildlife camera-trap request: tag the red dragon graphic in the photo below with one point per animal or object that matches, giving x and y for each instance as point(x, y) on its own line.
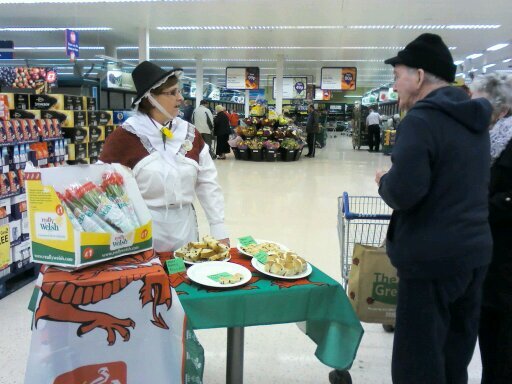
point(65, 292)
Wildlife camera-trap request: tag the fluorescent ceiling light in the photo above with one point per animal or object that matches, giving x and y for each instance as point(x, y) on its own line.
point(458, 62)
point(71, 73)
point(52, 29)
point(473, 26)
point(354, 96)
point(473, 70)
point(190, 47)
point(485, 67)
point(506, 60)
point(460, 74)
point(55, 48)
point(318, 27)
point(497, 47)
point(474, 56)
point(93, 1)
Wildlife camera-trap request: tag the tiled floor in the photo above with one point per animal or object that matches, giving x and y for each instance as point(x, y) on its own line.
point(294, 204)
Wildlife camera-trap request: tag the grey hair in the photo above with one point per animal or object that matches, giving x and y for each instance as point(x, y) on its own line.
point(429, 78)
point(497, 88)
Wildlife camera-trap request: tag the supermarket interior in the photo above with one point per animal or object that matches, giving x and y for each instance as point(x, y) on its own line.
point(131, 243)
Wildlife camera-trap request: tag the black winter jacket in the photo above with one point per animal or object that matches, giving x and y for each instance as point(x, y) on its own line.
point(498, 283)
point(438, 187)
point(221, 124)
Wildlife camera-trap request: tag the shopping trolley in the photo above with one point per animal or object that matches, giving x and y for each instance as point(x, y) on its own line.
point(362, 220)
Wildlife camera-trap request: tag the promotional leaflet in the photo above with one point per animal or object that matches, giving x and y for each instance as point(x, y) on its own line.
point(339, 78)
point(242, 78)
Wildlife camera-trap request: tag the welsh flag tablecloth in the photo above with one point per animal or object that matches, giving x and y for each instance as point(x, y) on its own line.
point(317, 300)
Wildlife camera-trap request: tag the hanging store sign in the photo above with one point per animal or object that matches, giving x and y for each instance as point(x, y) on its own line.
point(293, 88)
point(320, 94)
point(242, 78)
point(339, 78)
point(6, 44)
point(72, 44)
point(118, 79)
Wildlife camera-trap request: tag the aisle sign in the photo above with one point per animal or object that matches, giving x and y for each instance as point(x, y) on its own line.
point(5, 247)
point(339, 78)
point(242, 78)
point(72, 44)
point(293, 88)
point(6, 44)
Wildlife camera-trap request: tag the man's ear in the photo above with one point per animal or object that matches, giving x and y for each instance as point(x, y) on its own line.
point(421, 77)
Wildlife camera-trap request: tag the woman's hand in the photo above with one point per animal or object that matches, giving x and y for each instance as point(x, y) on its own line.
point(225, 241)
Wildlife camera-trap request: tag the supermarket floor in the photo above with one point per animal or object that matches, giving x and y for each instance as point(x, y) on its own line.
point(294, 204)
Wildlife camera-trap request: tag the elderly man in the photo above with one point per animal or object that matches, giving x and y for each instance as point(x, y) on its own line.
point(438, 238)
point(373, 125)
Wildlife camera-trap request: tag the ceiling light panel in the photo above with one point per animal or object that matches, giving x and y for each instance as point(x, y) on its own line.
point(474, 56)
point(53, 29)
point(321, 27)
point(208, 48)
point(498, 47)
point(56, 48)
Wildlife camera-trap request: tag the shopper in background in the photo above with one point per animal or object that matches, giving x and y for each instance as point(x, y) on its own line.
point(234, 120)
point(202, 118)
point(188, 110)
point(312, 128)
point(373, 125)
point(169, 160)
point(495, 334)
point(439, 237)
point(222, 131)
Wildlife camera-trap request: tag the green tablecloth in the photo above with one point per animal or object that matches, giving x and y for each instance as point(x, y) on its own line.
point(318, 300)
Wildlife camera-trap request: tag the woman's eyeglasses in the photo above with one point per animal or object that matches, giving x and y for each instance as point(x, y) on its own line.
point(174, 92)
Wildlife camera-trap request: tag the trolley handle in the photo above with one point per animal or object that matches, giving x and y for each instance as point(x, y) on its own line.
point(351, 215)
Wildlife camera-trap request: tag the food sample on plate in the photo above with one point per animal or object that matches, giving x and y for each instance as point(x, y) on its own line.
point(207, 250)
point(285, 264)
point(231, 280)
point(266, 247)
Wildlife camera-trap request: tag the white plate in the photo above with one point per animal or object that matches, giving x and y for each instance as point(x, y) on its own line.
point(261, 268)
point(206, 261)
point(259, 241)
point(199, 273)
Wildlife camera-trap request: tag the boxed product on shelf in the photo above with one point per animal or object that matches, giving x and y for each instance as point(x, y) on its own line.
point(113, 225)
point(19, 212)
point(25, 113)
point(94, 149)
point(15, 230)
point(16, 100)
point(7, 134)
point(120, 116)
point(4, 107)
point(67, 118)
point(97, 133)
point(77, 135)
point(89, 103)
point(77, 151)
point(95, 118)
point(5, 256)
point(109, 129)
point(51, 101)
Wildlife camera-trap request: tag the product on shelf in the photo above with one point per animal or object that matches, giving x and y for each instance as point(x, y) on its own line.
point(67, 118)
point(95, 118)
point(96, 133)
point(76, 135)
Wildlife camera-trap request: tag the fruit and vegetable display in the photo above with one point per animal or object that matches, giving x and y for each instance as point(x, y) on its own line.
point(208, 249)
point(289, 143)
point(102, 209)
point(27, 78)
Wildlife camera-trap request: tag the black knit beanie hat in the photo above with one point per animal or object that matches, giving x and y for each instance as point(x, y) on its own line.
point(430, 53)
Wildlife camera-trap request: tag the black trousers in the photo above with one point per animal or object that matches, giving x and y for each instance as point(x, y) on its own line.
point(495, 340)
point(374, 137)
point(436, 328)
point(311, 139)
